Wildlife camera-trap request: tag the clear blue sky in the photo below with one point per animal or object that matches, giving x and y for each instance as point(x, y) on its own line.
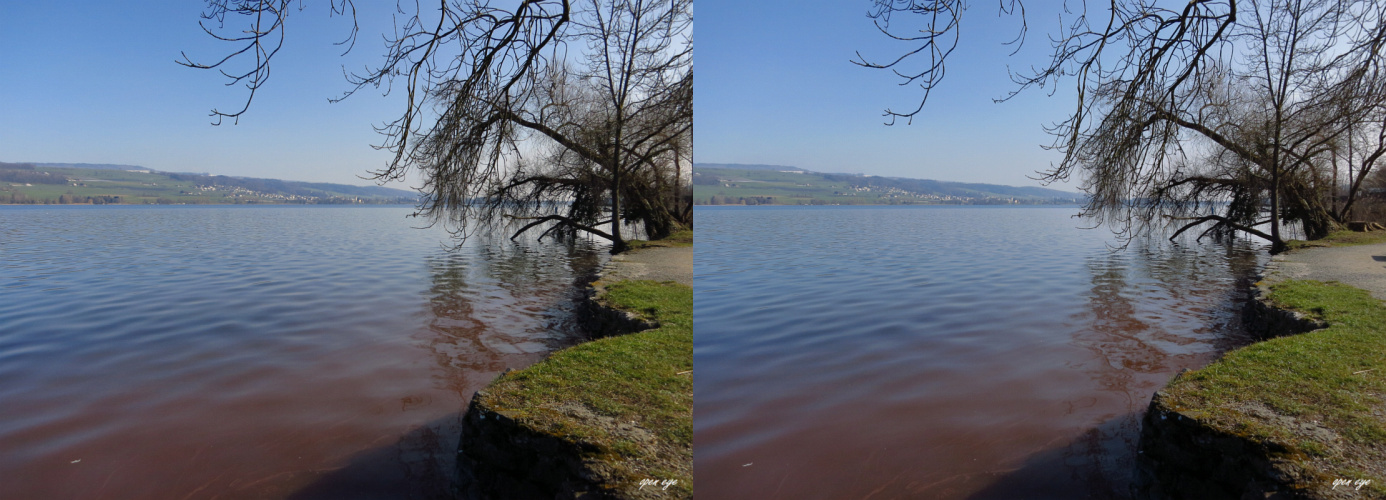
point(95, 82)
point(774, 85)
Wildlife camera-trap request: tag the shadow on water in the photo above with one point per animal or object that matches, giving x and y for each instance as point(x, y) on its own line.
point(1135, 348)
point(419, 466)
point(1094, 465)
point(499, 307)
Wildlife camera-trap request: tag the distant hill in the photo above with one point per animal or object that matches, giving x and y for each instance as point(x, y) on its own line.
point(744, 166)
point(724, 183)
point(78, 183)
point(293, 187)
point(280, 184)
point(91, 166)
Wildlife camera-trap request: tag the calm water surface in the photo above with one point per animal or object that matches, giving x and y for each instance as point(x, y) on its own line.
point(940, 352)
point(256, 352)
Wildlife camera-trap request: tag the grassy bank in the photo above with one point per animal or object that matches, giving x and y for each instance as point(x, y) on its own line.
point(629, 398)
point(1316, 399)
point(1341, 239)
point(680, 238)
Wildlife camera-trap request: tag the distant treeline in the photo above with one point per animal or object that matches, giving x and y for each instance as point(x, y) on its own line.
point(23, 173)
point(12, 198)
point(717, 199)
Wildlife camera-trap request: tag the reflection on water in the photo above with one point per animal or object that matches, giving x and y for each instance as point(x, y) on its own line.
point(1153, 310)
point(501, 302)
point(256, 352)
point(940, 352)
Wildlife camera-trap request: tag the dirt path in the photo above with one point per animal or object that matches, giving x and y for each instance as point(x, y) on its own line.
point(654, 264)
point(1362, 266)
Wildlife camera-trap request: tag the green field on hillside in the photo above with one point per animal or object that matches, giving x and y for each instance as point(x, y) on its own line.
point(53, 185)
point(732, 186)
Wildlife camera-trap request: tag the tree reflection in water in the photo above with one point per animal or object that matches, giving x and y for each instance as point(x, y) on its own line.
point(503, 306)
point(492, 306)
point(1137, 342)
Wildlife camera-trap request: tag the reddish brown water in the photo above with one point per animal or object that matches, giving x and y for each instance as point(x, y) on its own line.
point(931, 352)
point(256, 352)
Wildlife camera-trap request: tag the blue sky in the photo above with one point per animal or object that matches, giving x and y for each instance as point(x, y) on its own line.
point(774, 85)
point(95, 82)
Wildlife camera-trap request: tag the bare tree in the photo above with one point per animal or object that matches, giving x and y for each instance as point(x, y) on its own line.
point(601, 89)
point(1196, 112)
point(1356, 157)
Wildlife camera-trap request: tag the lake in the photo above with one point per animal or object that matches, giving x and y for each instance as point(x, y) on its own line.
point(257, 352)
point(941, 352)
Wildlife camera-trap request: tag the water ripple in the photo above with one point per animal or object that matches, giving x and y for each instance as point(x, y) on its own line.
point(171, 348)
point(919, 351)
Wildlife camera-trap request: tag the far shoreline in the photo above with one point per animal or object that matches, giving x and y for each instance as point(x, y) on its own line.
point(911, 205)
point(49, 205)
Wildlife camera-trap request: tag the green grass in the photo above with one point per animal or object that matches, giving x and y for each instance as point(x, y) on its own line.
point(1341, 239)
point(644, 377)
point(1334, 378)
point(680, 238)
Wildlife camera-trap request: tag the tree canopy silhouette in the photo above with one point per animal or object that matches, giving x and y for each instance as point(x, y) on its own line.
point(564, 114)
point(1221, 114)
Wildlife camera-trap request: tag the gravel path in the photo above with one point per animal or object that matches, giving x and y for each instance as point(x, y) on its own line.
point(1362, 266)
point(654, 264)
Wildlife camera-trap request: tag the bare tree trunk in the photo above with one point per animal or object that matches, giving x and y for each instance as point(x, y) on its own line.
point(1333, 188)
point(1277, 243)
point(678, 190)
point(618, 243)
